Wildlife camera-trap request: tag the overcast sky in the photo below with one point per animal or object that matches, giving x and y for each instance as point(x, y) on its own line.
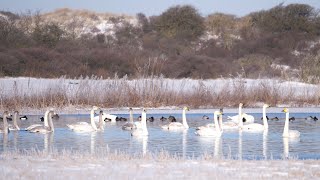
point(149, 7)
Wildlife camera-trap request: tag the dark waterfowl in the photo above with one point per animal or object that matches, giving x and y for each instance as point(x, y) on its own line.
point(266, 117)
point(292, 119)
point(120, 119)
point(150, 119)
point(275, 119)
point(312, 118)
point(163, 119)
point(23, 118)
point(205, 117)
point(172, 119)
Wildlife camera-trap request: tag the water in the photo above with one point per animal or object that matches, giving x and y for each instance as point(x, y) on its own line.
point(231, 144)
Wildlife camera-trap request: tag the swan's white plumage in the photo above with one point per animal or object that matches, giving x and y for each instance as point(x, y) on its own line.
point(15, 126)
point(45, 129)
point(210, 131)
point(178, 125)
point(45, 117)
point(130, 125)
point(255, 127)
point(142, 131)
point(84, 126)
point(5, 128)
point(287, 133)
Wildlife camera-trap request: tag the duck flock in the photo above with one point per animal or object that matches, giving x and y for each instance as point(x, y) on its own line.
point(241, 122)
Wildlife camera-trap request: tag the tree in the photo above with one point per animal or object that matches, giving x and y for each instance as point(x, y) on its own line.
point(181, 22)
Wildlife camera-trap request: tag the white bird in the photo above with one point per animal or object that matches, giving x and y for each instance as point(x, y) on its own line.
point(109, 117)
point(15, 126)
point(143, 131)
point(210, 131)
point(38, 125)
point(45, 129)
point(255, 127)
point(129, 125)
point(286, 132)
point(212, 125)
point(84, 126)
point(178, 125)
point(246, 118)
point(5, 128)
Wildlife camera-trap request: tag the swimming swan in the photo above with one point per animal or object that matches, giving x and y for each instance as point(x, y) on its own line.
point(15, 126)
point(255, 127)
point(286, 132)
point(210, 131)
point(143, 131)
point(129, 125)
point(45, 129)
point(84, 126)
point(38, 125)
point(178, 125)
point(212, 125)
point(5, 128)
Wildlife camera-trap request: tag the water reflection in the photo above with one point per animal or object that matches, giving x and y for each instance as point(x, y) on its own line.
point(242, 145)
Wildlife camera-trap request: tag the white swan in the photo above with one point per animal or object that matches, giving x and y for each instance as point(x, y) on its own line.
point(255, 127)
point(210, 131)
point(39, 125)
point(143, 131)
point(5, 128)
point(104, 117)
point(286, 132)
point(15, 126)
point(84, 126)
point(178, 125)
point(248, 118)
point(129, 125)
point(45, 129)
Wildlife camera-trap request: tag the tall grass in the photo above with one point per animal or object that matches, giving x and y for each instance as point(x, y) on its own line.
point(153, 92)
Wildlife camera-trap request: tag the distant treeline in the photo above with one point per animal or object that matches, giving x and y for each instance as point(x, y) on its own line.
point(178, 43)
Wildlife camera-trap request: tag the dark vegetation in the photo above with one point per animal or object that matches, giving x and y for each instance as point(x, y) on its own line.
point(174, 44)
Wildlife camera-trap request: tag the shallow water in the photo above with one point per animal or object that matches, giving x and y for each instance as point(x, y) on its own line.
point(231, 144)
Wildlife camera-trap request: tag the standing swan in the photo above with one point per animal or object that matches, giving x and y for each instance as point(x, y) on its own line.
point(255, 127)
point(45, 129)
point(210, 131)
point(177, 125)
point(129, 125)
point(286, 132)
point(84, 126)
point(5, 128)
point(143, 131)
point(15, 126)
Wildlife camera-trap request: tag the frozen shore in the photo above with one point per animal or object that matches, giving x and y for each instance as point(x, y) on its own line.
point(16, 166)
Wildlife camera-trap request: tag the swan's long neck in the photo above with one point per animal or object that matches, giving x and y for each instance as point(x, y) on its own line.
point(216, 124)
point(144, 121)
point(240, 123)
point(131, 116)
point(5, 124)
point(46, 123)
point(264, 117)
point(101, 127)
point(184, 119)
point(93, 124)
point(15, 119)
point(286, 125)
point(50, 114)
point(220, 122)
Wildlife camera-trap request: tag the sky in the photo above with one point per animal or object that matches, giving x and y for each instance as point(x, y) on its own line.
point(149, 7)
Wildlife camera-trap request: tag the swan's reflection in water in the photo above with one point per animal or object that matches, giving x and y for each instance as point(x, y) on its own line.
point(184, 143)
point(48, 141)
point(93, 136)
point(213, 143)
point(217, 147)
point(265, 144)
point(5, 141)
point(240, 145)
point(285, 147)
point(143, 141)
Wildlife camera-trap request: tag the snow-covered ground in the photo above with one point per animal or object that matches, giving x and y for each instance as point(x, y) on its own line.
point(90, 88)
point(86, 166)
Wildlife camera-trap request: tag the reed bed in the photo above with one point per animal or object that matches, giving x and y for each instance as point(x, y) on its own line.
point(19, 93)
